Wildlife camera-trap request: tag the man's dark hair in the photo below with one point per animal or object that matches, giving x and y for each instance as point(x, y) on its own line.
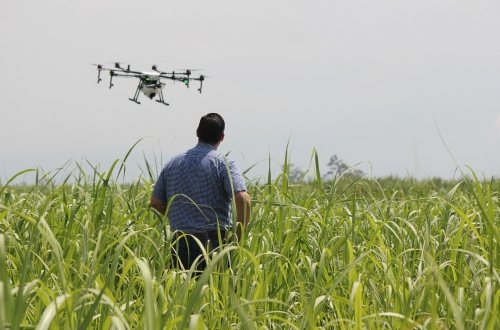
point(211, 128)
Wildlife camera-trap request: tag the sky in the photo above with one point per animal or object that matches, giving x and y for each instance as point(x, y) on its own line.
point(406, 88)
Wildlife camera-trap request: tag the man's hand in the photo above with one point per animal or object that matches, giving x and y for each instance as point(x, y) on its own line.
point(158, 205)
point(243, 205)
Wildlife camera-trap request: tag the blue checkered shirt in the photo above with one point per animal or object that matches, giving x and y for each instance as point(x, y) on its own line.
point(199, 188)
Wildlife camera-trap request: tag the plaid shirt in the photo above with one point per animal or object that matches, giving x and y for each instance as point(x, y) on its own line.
point(198, 184)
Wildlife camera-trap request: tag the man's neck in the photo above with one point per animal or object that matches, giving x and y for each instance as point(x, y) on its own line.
point(215, 146)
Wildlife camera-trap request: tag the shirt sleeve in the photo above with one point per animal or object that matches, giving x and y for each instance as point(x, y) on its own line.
point(238, 182)
point(160, 188)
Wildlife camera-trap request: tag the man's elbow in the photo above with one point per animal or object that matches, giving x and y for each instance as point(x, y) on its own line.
point(242, 197)
point(158, 205)
point(243, 205)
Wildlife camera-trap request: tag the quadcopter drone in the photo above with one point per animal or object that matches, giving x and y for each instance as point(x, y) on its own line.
point(150, 83)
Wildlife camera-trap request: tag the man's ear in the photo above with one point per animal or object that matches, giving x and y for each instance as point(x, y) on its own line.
point(197, 133)
point(221, 137)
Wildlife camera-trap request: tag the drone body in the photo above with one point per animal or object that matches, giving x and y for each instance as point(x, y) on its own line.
point(150, 83)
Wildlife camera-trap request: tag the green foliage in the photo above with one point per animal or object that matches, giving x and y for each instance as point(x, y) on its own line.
point(348, 253)
point(337, 167)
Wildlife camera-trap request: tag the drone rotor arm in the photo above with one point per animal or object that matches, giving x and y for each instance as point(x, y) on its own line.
point(182, 78)
point(128, 75)
point(112, 74)
point(170, 76)
point(117, 68)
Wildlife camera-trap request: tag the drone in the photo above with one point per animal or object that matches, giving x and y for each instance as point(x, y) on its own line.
point(150, 83)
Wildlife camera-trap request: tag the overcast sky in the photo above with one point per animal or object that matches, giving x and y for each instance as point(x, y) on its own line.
point(374, 82)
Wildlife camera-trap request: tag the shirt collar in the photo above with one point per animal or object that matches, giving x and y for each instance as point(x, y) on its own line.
point(205, 146)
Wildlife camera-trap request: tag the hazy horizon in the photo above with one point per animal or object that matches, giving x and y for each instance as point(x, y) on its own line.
point(393, 86)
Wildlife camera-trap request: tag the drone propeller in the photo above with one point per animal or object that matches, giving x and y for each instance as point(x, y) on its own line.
point(188, 72)
point(201, 77)
point(115, 64)
point(99, 69)
point(118, 65)
point(155, 68)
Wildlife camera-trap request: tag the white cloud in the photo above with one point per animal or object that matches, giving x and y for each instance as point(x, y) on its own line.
point(497, 122)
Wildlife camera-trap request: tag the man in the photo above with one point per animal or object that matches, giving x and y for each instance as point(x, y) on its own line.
point(200, 184)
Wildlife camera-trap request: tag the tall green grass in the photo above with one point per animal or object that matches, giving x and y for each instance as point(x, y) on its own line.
point(348, 254)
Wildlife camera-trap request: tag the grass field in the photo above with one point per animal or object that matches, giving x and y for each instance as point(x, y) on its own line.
point(347, 254)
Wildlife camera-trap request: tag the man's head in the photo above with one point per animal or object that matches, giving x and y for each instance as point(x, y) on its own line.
point(211, 129)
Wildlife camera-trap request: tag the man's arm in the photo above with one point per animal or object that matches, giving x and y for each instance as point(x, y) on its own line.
point(158, 205)
point(243, 204)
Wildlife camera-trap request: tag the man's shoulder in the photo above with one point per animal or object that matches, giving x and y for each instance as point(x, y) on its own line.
point(202, 150)
point(176, 158)
point(198, 152)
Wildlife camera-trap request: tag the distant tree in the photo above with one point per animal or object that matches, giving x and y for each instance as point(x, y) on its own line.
point(295, 173)
point(337, 167)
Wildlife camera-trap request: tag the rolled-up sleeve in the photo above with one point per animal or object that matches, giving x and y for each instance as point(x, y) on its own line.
point(160, 188)
point(238, 182)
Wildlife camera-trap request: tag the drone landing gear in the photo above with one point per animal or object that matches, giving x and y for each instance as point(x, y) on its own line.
point(161, 100)
point(136, 95)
